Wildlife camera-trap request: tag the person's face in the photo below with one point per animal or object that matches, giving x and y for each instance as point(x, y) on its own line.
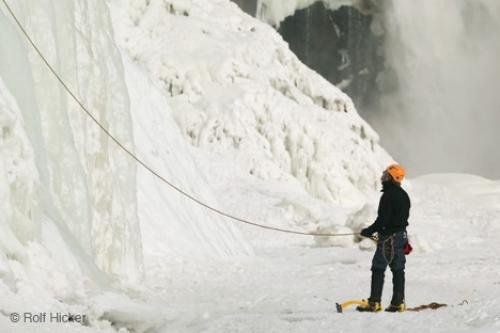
point(385, 177)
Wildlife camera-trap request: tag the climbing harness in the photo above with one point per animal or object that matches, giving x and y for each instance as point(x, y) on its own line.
point(388, 251)
point(140, 161)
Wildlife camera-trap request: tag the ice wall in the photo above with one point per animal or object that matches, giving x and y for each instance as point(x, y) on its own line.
point(66, 180)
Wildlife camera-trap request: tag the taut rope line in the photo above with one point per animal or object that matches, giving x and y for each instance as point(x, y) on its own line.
point(143, 164)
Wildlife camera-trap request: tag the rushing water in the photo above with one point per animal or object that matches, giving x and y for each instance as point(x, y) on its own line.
point(445, 113)
point(248, 6)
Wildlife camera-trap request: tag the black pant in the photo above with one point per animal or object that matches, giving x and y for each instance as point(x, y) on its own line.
point(390, 252)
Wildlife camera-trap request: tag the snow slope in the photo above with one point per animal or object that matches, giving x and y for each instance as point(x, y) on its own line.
point(236, 90)
point(170, 224)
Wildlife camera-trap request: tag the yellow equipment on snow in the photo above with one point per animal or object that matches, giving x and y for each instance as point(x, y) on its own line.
point(345, 305)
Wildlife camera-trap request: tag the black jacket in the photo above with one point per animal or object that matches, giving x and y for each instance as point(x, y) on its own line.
point(393, 210)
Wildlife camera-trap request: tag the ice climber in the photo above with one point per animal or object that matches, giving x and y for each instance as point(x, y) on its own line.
point(391, 222)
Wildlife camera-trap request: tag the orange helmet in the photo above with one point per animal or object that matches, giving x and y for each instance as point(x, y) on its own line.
point(396, 171)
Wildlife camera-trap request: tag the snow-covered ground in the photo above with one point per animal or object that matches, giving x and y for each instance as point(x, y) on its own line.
point(214, 101)
point(454, 228)
point(294, 288)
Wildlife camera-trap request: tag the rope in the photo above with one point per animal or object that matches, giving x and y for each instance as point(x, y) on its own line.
point(391, 253)
point(432, 306)
point(142, 163)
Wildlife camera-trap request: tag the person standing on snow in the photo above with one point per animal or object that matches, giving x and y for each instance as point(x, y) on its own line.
point(393, 212)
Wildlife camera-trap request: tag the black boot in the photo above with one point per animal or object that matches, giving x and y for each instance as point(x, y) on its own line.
point(369, 306)
point(396, 308)
point(377, 285)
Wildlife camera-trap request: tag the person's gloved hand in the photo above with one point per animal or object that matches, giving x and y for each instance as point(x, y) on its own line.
point(366, 232)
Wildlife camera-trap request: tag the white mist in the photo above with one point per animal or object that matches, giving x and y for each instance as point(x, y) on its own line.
point(445, 114)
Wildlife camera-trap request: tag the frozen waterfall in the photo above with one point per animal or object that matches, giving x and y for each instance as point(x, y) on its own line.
point(70, 186)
